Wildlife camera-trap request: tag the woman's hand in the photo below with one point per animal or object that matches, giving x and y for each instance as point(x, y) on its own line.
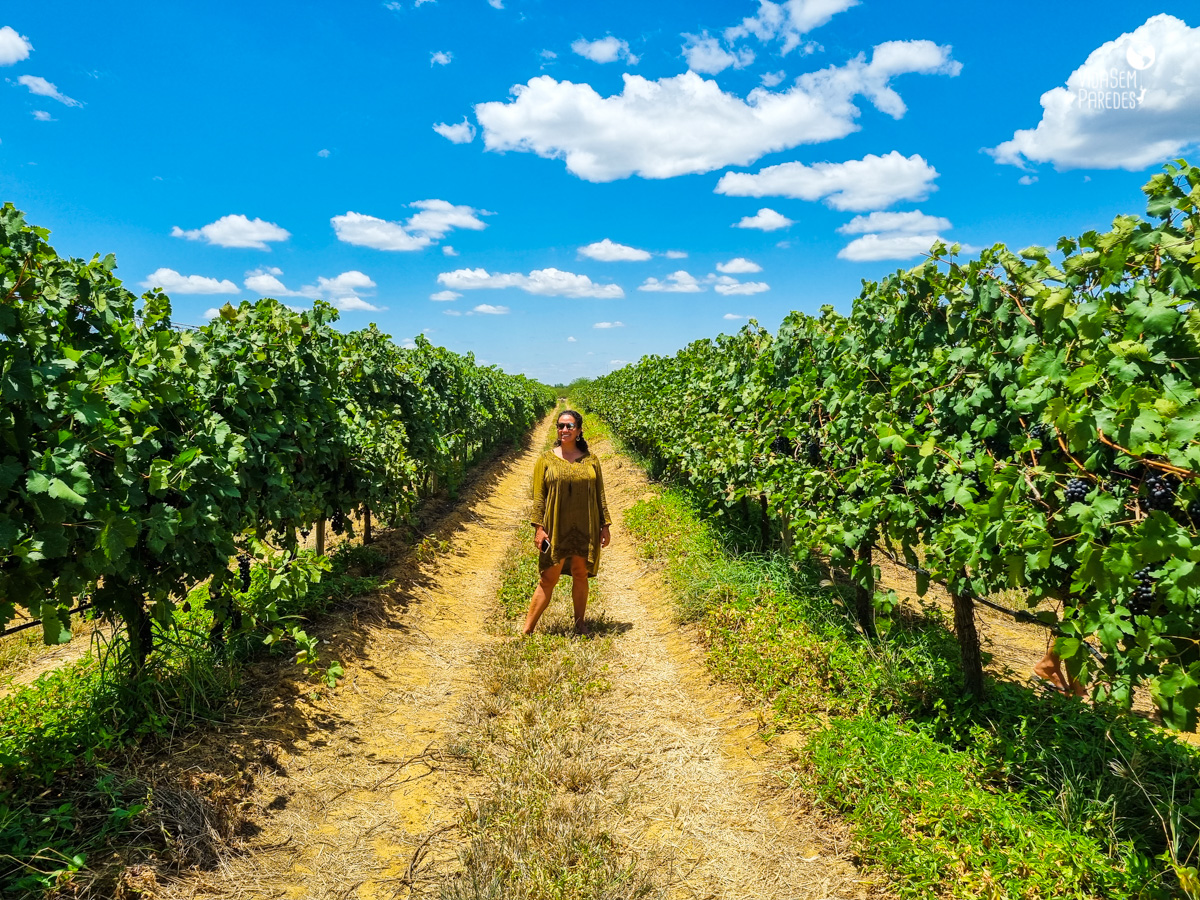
point(604, 536)
point(539, 535)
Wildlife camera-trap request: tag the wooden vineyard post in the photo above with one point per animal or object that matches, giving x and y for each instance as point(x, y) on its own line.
point(968, 642)
point(765, 528)
point(366, 516)
point(321, 536)
point(864, 586)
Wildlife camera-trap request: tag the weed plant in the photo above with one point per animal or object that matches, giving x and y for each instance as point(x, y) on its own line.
point(1014, 795)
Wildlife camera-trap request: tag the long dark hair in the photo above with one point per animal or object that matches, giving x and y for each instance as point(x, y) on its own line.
point(578, 417)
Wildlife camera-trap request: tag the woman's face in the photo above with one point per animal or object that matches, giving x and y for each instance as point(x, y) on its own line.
point(567, 429)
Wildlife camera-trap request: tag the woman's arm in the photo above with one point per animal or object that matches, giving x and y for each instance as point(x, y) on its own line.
point(538, 516)
point(602, 506)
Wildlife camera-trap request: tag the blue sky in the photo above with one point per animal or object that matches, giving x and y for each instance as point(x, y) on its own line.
point(661, 171)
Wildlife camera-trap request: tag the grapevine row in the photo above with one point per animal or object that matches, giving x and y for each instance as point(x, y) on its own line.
point(1019, 420)
point(137, 459)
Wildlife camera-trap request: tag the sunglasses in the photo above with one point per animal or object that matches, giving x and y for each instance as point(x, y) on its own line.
point(568, 427)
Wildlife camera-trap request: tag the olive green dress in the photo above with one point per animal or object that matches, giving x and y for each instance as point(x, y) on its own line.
point(568, 501)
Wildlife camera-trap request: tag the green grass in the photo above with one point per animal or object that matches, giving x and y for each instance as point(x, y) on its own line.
point(1012, 796)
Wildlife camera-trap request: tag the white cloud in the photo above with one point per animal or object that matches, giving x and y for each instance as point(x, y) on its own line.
point(1135, 102)
point(915, 222)
point(451, 312)
point(741, 288)
point(348, 282)
point(738, 266)
point(235, 231)
point(676, 254)
point(732, 317)
point(43, 88)
point(13, 47)
point(267, 284)
point(543, 282)
point(342, 290)
point(680, 282)
point(440, 58)
point(460, 133)
point(435, 219)
point(324, 154)
point(351, 303)
point(174, 283)
point(211, 313)
point(570, 340)
point(488, 310)
point(765, 220)
point(445, 296)
point(608, 251)
point(891, 235)
point(773, 79)
point(604, 50)
point(705, 55)
point(874, 247)
point(609, 325)
point(1027, 180)
point(42, 116)
point(496, 4)
point(617, 362)
point(686, 124)
point(447, 250)
point(872, 182)
point(787, 22)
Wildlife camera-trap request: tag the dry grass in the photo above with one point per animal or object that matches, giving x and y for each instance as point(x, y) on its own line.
point(538, 734)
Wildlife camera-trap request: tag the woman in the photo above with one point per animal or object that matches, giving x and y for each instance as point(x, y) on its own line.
point(570, 518)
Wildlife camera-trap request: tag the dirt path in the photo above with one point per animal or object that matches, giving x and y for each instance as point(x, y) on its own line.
point(351, 789)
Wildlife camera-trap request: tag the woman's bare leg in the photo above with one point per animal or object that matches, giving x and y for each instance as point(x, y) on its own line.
point(541, 596)
point(579, 591)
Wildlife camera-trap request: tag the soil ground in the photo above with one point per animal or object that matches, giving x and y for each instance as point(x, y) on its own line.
point(357, 793)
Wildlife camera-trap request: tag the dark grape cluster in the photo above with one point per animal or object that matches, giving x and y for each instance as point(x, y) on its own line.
point(1077, 490)
point(338, 522)
point(998, 444)
point(1039, 431)
point(782, 445)
point(244, 569)
point(1160, 492)
point(812, 450)
point(1143, 594)
point(1193, 512)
